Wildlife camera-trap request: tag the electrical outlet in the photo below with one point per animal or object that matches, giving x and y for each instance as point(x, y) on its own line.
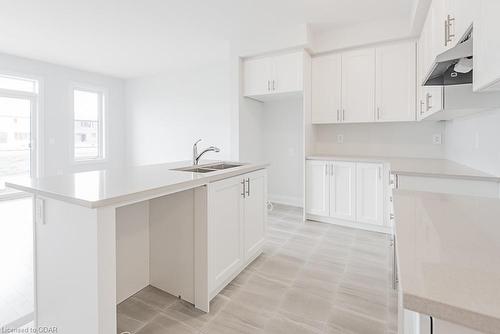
point(340, 139)
point(437, 139)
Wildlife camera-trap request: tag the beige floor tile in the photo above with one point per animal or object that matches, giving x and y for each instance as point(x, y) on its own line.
point(135, 309)
point(162, 324)
point(281, 324)
point(155, 297)
point(342, 321)
point(306, 305)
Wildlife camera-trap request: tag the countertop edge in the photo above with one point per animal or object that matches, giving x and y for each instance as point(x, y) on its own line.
point(457, 315)
point(144, 194)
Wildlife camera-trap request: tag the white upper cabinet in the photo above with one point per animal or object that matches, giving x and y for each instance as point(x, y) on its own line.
point(342, 191)
point(369, 193)
point(487, 46)
point(395, 82)
point(273, 75)
point(288, 73)
point(326, 89)
point(358, 86)
point(257, 76)
point(317, 188)
point(366, 85)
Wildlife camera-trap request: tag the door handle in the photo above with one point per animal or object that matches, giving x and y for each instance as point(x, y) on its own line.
point(243, 183)
point(428, 98)
point(248, 187)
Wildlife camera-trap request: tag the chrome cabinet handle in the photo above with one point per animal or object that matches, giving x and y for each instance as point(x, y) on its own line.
point(248, 187)
point(243, 183)
point(343, 115)
point(421, 107)
point(449, 21)
point(326, 169)
point(445, 32)
point(274, 88)
point(428, 98)
point(378, 113)
point(338, 115)
point(268, 85)
point(331, 169)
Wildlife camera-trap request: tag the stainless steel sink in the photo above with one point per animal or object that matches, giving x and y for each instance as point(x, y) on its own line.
point(208, 168)
point(222, 165)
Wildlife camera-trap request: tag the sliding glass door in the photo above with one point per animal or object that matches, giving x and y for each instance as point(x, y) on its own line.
point(17, 131)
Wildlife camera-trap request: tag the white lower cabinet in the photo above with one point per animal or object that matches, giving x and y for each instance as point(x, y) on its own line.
point(347, 191)
point(370, 193)
point(342, 190)
point(236, 225)
point(318, 187)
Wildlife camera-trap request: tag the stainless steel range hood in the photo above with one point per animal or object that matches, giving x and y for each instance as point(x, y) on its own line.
point(452, 67)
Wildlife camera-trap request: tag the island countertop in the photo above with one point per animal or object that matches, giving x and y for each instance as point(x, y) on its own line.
point(448, 252)
point(418, 166)
point(114, 186)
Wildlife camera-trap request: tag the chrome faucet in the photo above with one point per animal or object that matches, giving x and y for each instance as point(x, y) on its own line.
point(196, 156)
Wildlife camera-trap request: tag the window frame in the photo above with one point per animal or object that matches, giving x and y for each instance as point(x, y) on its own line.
point(102, 133)
point(37, 161)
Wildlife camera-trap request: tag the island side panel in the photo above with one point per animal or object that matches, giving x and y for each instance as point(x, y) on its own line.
point(75, 275)
point(171, 225)
point(132, 249)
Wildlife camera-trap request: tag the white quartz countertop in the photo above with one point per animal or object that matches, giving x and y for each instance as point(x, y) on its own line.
point(418, 166)
point(115, 186)
point(448, 250)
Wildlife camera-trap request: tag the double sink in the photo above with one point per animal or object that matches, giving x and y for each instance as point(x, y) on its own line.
point(208, 168)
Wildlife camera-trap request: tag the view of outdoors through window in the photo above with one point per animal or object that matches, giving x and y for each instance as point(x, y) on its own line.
point(15, 128)
point(87, 108)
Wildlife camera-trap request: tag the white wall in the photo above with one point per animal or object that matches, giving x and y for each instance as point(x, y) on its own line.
point(56, 113)
point(383, 139)
point(474, 141)
point(283, 149)
point(167, 113)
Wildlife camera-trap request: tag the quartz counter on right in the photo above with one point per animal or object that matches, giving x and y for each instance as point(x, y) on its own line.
point(448, 257)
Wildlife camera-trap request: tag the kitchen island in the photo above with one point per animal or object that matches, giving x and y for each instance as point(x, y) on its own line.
point(101, 236)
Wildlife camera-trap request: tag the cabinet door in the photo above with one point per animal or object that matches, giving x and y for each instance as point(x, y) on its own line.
point(326, 89)
point(369, 193)
point(257, 76)
point(487, 47)
point(317, 188)
point(358, 86)
point(255, 212)
point(396, 82)
point(462, 14)
point(342, 190)
point(225, 229)
point(287, 73)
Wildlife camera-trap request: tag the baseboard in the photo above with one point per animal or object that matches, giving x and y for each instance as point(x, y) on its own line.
point(285, 200)
point(347, 223)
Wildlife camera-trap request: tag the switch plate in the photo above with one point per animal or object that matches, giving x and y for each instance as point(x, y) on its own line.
point(340, 139)
point(437, 139)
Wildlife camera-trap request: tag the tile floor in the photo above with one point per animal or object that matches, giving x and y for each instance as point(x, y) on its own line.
point(311, 278)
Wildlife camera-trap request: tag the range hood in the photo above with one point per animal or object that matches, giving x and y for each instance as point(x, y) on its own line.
point(454, 66)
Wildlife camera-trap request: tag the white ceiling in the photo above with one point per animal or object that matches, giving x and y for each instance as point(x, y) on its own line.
point(128, 38)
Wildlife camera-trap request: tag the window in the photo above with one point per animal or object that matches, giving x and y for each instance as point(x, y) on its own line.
point(18, 84)
point(88, 108)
